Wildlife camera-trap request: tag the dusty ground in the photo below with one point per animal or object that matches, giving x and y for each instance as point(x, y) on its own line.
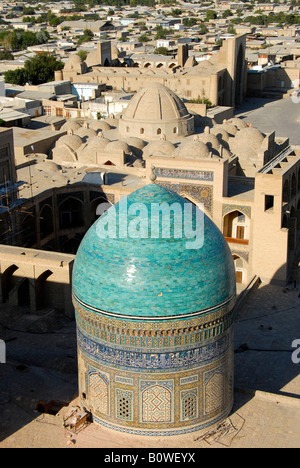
point(41, 365)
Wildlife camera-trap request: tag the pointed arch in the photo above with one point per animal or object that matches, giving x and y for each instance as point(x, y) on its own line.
point(156, 401)
point(41, 293)
point(214, 392)
point(70, 213)
point(99, 392)
point(46, 221)
point(7, 281)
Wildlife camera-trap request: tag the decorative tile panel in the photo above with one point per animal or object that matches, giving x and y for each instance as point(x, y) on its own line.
point(184, 174)
point(189, 404)
point(200, 193)
point(156, 401)
point(214, 390)
point(124, 404)
point(243, 209)
point(99, 392)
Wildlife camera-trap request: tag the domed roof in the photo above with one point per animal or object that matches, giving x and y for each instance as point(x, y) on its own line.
point(71, 125)
point(239, 123)
point(99, 125)
point(97, 142)
point(92, 58)
point(155, 103)
point(74, 60)
point(247, 137)
point(192, 150)
point(126, 276)
point(135, 142)
point(118, 145)
point(230, 128)
point(159, 148)
point(75, 63)
point(210, 140)
point(220, 133)
point(73, 141)
point(85, 132)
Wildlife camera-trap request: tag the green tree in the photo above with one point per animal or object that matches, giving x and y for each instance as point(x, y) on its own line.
point(231, 29)
point(144, 38)
point(227, 13)
point(54, 22)
point(79, 5)
point(82, 54)
point(28, 11)
point(203, 29)
point(42, 36)
point(176, 12)
point(16, 77)
point(87, 36)
point(6, 55)
point(189, 22)
point(161, 51)
point(211, 15)
point(201, 100)
point(161, 33)
point(40, 68)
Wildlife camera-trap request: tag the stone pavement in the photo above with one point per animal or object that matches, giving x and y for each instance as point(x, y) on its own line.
point(260, 420)
point(268, 115)
point(266, 412)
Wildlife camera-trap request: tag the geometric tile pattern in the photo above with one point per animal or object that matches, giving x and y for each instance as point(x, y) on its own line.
point(201, 193)
point(156, 401)
point(243, 209)
point(124, 404)
point(189, 404)
point(214, 392)
point(98, 391)
point(239, 253)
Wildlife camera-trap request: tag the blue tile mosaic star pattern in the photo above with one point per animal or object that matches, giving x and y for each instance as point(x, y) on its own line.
point(153, 277)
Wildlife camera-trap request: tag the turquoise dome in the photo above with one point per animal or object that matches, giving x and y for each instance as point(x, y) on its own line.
point(151, 276)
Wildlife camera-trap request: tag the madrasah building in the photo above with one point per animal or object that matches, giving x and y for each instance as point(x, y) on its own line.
point(247, 182)
point(155, 342)
point(221, 78)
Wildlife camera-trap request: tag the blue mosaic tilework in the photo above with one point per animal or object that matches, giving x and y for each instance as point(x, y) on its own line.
point(243, 209)
point(163, 361)
point(166, 432)
point(200, 193)
point(153, 277)
point(184, 174)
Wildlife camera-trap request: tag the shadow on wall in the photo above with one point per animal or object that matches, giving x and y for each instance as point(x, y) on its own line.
point(265, 327)
point(35, 295)
point(40, 364)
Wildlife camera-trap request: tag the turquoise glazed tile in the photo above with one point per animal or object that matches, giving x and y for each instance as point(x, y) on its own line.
point(153, 276)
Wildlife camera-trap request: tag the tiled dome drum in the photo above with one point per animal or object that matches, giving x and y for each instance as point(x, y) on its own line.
point(154, 317)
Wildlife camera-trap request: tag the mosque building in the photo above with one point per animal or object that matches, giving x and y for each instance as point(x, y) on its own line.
point(154, 324)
